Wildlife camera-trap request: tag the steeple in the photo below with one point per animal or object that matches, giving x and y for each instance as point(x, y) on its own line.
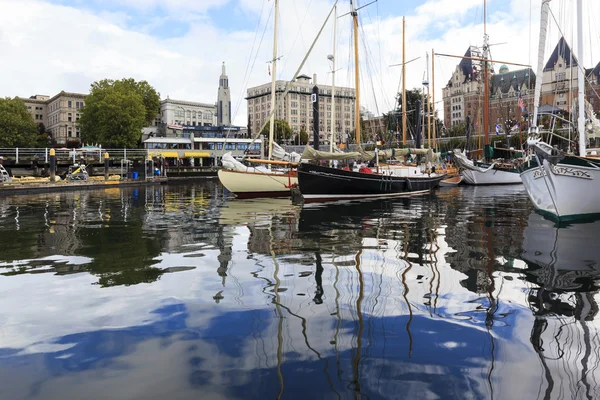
point(223, 99)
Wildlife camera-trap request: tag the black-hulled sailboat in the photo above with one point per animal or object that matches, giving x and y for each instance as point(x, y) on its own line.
point(318, 182)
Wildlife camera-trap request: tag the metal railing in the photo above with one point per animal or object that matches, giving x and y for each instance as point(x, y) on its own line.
point(41, 155)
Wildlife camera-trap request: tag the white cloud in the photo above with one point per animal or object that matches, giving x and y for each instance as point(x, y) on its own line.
point(47, 48)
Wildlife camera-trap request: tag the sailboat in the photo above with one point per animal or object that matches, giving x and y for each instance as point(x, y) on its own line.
point(499, 166)
point(319, 183)
point(279, 177)
point(564, 185)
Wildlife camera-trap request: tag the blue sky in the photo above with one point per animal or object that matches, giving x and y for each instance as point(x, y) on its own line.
point(167, 22)
point(178, 46)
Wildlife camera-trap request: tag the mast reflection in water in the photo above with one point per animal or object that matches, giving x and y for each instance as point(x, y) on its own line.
point(180, 292)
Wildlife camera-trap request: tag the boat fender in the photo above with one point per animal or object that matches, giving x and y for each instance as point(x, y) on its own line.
point(409, 185)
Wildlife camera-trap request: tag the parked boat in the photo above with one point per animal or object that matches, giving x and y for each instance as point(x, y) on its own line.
point(279, 177)
point(451, 182)
point(564, 185)
point(498, 166)
point(318, 183)
point(499, 171)
point(251, 182)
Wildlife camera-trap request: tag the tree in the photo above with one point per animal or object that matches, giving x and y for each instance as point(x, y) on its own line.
point(303, 136)
point(17, 128)
point(412, 97)
point(150, 96)
point(283, 131)
point(116, 111)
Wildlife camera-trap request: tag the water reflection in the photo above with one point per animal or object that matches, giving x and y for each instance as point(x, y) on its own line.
point(180, 292)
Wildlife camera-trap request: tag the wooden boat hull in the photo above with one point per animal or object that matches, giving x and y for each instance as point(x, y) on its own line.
point(247, 185)
point(320, 184)
point(450, 182)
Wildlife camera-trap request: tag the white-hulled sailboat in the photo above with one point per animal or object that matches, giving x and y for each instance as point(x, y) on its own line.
point(499, 166)
point(250, 182)
point(565, 186)
point(281, 176)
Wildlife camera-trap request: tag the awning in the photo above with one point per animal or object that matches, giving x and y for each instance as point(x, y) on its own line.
point(198, 154)
point(165, 154)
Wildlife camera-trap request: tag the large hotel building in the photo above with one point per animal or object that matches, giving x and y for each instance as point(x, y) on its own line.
point(463, 95)
point(297, 107)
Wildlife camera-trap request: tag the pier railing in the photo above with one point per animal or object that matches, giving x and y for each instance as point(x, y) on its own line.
point(41, 155)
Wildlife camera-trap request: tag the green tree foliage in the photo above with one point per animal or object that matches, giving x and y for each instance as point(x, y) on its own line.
point(283, 131)
point(17, 128)
point(116, 111)
point(150, 96)
point(459, 129)
point(413, 97)
point(303, 136)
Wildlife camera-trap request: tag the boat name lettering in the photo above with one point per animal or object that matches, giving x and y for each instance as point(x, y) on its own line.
point(569, 171)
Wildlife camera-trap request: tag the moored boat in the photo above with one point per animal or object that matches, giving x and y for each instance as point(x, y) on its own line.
point(320, 183)
point(452, 181)
point(260, 182)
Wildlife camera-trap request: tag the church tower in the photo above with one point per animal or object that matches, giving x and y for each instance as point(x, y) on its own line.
point(223, 100)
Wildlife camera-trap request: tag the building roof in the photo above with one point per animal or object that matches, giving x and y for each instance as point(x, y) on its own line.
point(562, 49)
point(466, 64)
point(303, 77)
point(515, 79)
point(593, 71)
point(187, 103)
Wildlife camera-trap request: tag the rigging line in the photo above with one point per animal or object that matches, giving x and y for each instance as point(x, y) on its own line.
point(246, 73)
point(380, 68)
point(368, 66)
point(288, 84)
point(299, 34)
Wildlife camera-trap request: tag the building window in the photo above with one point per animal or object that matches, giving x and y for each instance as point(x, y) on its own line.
point(69, 104)
point(69, 118)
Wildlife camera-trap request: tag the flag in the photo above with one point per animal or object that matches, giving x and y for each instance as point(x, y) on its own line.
point(269, 69)
point(520, 103)
point(497, 129)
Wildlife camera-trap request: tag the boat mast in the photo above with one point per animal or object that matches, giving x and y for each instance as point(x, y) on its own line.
point(433, 94)
point(354, 14)
point(428, 104)
point(403, 81)
point(580, 80)
point(333, 81)
point(273, 77)
point(540, 66)
point(486, 94)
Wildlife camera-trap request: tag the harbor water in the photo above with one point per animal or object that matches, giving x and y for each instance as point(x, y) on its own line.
point(183, 292)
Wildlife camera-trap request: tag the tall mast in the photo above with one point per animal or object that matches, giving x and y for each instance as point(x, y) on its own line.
point(486, 94)
point(403, 81)
point(428, 104)
point(356, 80)
point(433, 93)
point(540, 66)
point(333, 130)
point(580, 80)
point(273, 77)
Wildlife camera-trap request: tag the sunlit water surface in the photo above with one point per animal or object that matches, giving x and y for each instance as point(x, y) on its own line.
point(180, 292)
